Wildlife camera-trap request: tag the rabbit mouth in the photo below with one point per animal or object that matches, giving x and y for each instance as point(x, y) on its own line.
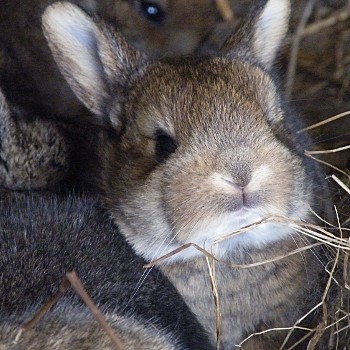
point(228, 235)
point(243, 213)
point(243, 228)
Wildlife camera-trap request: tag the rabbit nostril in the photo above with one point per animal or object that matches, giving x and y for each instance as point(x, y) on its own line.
point(230, 183)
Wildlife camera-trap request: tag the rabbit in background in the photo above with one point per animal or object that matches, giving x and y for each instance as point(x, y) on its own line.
point(199, 148)
point(31, 78)
point(43, 236)
point(169, 28)
point(33, 153)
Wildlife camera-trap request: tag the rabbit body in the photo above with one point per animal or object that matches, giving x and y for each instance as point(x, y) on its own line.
point(43, 236)
point(197, 149)
point(33, 153)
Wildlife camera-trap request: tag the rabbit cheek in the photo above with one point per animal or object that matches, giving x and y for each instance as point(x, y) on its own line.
point(276, 184)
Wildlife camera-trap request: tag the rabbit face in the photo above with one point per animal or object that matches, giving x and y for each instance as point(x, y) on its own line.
point(201, 156)
point(164, 27)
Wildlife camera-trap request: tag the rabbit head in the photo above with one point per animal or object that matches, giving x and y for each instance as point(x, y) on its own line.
point(201, 147)
point(163, 27)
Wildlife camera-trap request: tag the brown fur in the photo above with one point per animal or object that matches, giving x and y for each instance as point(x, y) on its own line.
point(187, 23)
point(31, 77)
point(199, 148)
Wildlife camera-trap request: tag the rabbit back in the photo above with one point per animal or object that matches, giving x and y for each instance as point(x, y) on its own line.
point(44, 236)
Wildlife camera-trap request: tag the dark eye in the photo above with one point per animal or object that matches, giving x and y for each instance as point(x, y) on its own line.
point(165, 146)
point(152, 12)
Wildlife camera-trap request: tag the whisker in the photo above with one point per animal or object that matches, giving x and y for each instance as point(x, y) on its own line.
point(147, 271)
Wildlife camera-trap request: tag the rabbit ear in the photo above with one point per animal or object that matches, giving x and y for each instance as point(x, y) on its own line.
point(262, 36)
point(93, 60)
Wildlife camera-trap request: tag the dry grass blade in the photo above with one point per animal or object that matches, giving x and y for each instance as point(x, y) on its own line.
point(341, 183)
point(72, 280)
point(79, 288)
point(307, 153)
point(321, 327)
point(214, 286)
point(327, 151)
point(64, 286)
point(346, 276)
point(295, 47)
point(310, 230)
point(238, 266)
point(339, 16)
point(177, 251)
point(269, 331)
point(326, 121)
point(248, 227)
point(323, 324)
point(225, 10)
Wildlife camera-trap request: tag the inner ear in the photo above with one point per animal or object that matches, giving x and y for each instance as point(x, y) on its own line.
point(73, 39)
point(270, 31)
point(261, 34)
point(95, 60)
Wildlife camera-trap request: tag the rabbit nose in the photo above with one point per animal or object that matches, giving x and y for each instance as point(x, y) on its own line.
point(242, 183)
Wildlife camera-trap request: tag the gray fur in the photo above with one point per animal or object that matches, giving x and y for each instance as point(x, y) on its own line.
point(69, 327)
point(33, 153)
point(200, 148)
point(42, 237)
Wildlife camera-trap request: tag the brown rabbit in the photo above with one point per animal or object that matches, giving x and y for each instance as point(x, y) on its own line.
point(198, 149)
point(161, 27)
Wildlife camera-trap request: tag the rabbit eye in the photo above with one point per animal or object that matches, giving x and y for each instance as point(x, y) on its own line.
point(165, 146)
point(152, 12)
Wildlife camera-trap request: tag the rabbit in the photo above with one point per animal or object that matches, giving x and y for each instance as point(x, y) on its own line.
point(195, 149)
point(31, 79)
point(45, 235)
point(33, 153)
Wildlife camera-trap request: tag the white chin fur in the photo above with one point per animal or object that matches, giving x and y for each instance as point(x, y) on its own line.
point(208, 232)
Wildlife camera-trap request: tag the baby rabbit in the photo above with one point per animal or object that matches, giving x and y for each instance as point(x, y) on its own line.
point(163, 27)
point(160, 27)
point(33, 154)
point(199, 148)
point(42, 237)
